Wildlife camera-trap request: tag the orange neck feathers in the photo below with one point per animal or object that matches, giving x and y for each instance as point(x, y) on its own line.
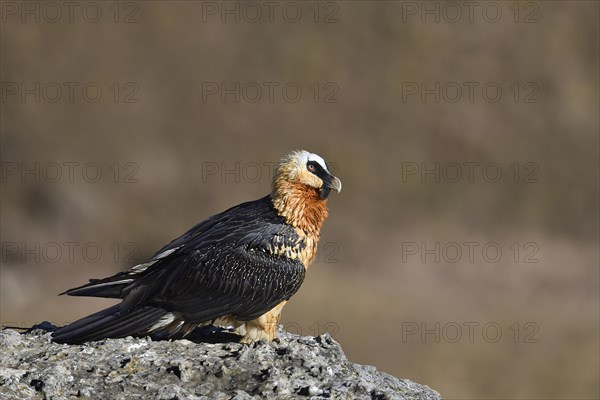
point(300, 205)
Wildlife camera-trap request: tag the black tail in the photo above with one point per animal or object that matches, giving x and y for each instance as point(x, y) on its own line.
point(109, 287)
point(109, 323)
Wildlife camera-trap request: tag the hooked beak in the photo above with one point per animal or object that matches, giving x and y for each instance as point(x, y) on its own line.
point(330, 182)
point(334, 183)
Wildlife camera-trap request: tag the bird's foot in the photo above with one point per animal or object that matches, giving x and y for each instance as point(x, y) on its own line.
point(251, 333)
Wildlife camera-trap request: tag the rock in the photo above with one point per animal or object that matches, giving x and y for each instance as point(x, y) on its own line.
point(33, 367)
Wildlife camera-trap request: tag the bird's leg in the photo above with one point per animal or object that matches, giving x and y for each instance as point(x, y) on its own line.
point(263, 327)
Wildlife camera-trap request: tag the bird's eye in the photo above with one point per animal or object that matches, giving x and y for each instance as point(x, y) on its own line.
point(311, 167)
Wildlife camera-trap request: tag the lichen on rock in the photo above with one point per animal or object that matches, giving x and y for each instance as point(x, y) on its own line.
point(33, 367)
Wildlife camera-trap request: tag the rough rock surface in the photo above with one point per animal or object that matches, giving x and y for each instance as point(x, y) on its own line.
point(33, 367)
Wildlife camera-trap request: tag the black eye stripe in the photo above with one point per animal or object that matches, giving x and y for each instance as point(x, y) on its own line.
point(316, 168)
point(314, 165)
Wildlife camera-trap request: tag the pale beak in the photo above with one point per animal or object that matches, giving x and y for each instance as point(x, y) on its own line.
point(335, 184)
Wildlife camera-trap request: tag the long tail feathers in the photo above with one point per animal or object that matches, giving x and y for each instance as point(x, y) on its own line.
point(109, 323)
point(100, 288)
point(112, 286)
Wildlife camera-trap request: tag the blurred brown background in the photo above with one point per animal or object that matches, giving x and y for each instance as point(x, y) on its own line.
point(123, 124)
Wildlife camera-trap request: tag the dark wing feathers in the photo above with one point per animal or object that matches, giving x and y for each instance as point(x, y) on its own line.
point(246, 285)
point(225, 265)
point(236, 274)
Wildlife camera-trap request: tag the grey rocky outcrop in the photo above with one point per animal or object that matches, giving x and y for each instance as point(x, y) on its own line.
point(33, 367)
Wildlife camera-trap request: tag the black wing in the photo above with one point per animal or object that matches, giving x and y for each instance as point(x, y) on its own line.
point(239, 262)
